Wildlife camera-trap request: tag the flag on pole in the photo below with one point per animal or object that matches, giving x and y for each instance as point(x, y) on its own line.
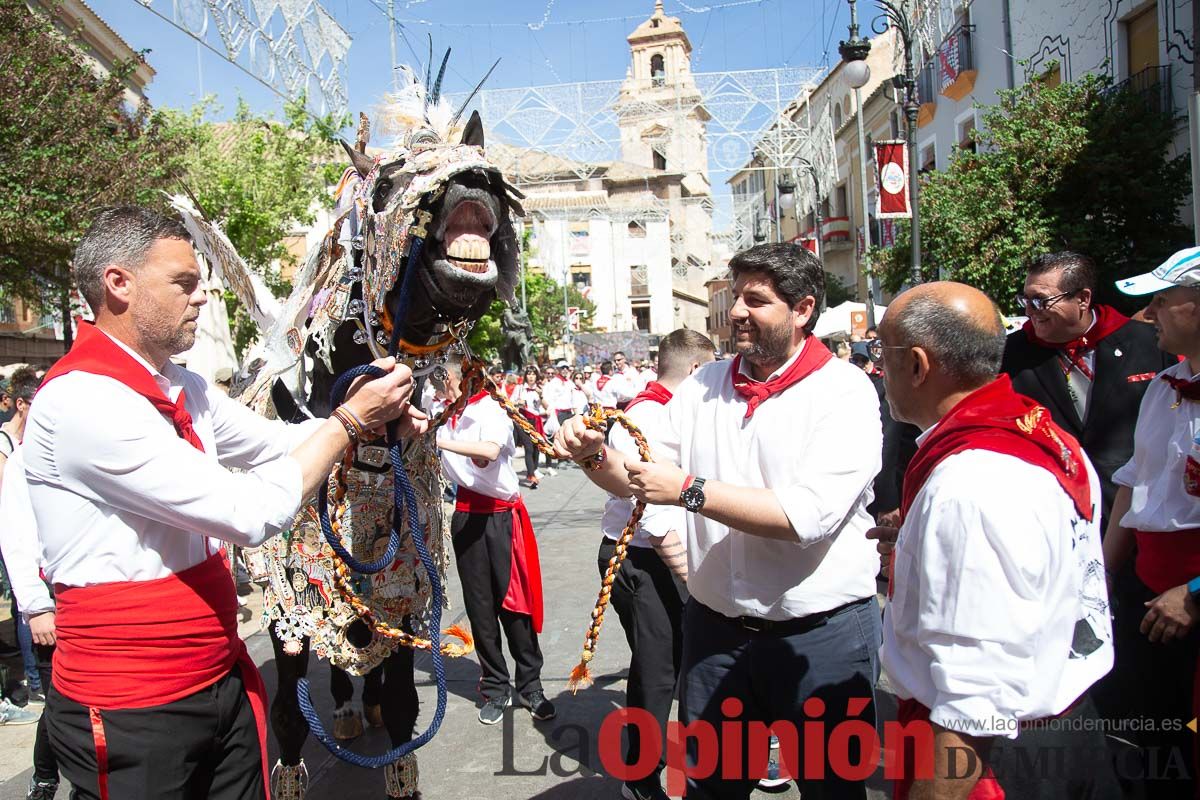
point(891, 174)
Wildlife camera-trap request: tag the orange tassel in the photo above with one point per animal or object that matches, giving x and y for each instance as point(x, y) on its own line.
point(581, 677)
point(457, 651)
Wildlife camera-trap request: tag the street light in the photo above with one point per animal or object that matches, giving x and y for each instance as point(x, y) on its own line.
point(854, 54)
point(787, 196)
point(898, 13)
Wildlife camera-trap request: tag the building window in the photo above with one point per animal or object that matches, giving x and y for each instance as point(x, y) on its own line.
point(966, 134)
point(660, 161)
point(641, 317)
point(639, 281)
point(635, 230)
point(843, 207)
point(581, 277)
point(895, 118)
point(1141, 40)
point(658, 72)
point(929, 157)
point(837, 116)
point(1052, 77)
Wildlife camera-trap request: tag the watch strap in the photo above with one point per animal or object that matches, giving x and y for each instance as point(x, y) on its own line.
point(1193, 586)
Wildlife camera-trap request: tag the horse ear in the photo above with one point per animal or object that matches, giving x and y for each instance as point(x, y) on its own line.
point(473, 133)
point(362, 163)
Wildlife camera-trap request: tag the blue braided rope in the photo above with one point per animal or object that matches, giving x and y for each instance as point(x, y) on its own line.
point(331, 538)
point(402, 493)
point(410, 267)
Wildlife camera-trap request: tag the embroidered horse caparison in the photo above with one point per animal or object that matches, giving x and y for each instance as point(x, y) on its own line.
point(422, 244)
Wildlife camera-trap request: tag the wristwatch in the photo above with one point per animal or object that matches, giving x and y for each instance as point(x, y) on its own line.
point(1193, 588)
point(692, 496)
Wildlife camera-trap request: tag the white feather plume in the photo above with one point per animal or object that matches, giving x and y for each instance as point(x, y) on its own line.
point(406, 109)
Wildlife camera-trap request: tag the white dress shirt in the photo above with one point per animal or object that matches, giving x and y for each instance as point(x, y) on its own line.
point(604, 394)
point(482, 421)
point(119, 496)
point(19, 540)
point(621, 387)
point(817, 445)
point(657, 521)
point(999, 610)
point(1162, 441)
point(557, 394)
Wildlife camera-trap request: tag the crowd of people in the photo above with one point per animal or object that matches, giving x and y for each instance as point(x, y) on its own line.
point(1029, 500)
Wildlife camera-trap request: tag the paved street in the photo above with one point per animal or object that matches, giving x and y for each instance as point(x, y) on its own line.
point(513, 761)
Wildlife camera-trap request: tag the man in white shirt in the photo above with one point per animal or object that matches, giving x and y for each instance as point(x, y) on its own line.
point(649, 590)
point(622, 385)
point(1157, 513)
point(495, 552)
point(129, 463)
point(998, 622)
point(777, 449)
point(558, 392)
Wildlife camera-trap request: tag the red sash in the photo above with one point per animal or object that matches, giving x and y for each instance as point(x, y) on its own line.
point(136, 644)
point(525, 574)
point(1167, 559)
point(986, 788)
point(654, 392)
point(813, 357)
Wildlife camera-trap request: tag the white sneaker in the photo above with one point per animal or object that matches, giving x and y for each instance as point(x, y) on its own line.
point(11, 714)
point(551, 471)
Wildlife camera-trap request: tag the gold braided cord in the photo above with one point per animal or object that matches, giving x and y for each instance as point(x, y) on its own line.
point(597, 419)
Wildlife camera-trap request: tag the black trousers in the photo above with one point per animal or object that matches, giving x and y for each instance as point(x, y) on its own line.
point(203, 746)
point(45, 765)
point(649, 603)
point(483, 554)
point(530, 450)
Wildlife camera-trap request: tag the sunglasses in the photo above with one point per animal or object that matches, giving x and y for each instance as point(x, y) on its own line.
point(1041, 303)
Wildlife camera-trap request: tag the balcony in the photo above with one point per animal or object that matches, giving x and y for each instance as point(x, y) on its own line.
point(1152, 86)
point(927, 93)
point(955, 60)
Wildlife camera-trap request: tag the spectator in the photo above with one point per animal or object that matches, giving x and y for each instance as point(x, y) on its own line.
point(998, 618)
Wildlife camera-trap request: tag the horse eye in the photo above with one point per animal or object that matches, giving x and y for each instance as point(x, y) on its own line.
point(383, 188)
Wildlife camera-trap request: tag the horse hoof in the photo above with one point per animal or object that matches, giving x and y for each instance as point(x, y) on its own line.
point(289, 783)
point(347, 724)
point(374, 715)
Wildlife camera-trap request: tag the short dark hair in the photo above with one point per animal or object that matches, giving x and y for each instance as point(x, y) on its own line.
point(679, 349)
point(859, 360)
point(965, 351)
point(119, 235)
point(795, 273)
point(620, 353)
point(1079, 271)
point(606, 368)
point(23, 384)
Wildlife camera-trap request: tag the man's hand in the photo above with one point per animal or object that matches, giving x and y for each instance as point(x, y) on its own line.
point(376, 401)
point(42, 626)
point(576, 441)
point(658, 483)
point(1172, 615)
point(413, 422)
point(885, 543)
point(888, 519)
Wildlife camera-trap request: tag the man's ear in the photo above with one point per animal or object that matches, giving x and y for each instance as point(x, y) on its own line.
point(804, 309)
point(920, 365)
point(1086, 298)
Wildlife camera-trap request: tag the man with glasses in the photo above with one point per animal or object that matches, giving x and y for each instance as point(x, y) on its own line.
point(1085, 362)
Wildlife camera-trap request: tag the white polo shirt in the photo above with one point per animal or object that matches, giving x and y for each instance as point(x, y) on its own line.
point(482, 421)
point(817, 445)
point(1162, 441)
point(999, 611)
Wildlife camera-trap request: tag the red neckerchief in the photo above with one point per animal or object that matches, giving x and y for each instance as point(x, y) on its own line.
point(1185, 388)
point(1108, 321)
point(654, 392)
point(472, 400)
point(997, 419)
point(602, 380)
point(812, 358)
point(96, 353)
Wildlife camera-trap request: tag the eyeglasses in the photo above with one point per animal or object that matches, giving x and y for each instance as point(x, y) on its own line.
point(875, 348)
point(1041, 303)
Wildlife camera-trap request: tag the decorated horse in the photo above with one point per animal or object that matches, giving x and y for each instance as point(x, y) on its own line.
point(421, 244)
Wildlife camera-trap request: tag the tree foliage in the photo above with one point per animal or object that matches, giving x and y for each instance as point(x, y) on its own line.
point(261, 179)
point(69, 145)
point(545, 299)
point(1084, 166)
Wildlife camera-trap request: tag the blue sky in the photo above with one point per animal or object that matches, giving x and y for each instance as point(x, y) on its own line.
point(744, 34)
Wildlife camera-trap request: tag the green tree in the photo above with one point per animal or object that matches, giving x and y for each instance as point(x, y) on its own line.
point(836, 290)
point(1083, 166)
point(260, 178)
point(69, 144)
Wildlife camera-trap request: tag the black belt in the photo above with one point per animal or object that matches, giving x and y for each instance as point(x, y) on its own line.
point(784, 627)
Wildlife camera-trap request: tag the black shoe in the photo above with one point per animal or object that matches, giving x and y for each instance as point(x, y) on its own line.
point(33, 695)
point(493, 710)
point(539, 707)
point(41, 790)
point(649, 792)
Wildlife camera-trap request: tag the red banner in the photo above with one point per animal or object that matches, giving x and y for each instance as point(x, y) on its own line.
point(891, 176)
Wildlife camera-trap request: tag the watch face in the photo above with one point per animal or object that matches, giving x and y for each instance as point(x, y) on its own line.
point(693, 498)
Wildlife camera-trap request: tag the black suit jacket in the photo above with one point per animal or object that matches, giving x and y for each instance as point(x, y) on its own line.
point(1112, 409)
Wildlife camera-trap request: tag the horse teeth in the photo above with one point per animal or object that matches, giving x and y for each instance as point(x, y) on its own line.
point(472, 249)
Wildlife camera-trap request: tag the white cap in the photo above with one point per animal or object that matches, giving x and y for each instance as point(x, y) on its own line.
point(562, 364)
point(1181, 269)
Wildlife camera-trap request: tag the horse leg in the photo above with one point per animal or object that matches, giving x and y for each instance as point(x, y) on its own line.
point(289, 778)
point(400, 706)
point(347, 724)
point(372, 696)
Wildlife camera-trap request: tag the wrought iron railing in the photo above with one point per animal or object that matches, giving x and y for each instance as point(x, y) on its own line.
point(1152, 85)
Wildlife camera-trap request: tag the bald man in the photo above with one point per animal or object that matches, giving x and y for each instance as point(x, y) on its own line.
point(998, 620)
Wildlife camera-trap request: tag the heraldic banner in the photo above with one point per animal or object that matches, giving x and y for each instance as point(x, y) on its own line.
point(891, 174)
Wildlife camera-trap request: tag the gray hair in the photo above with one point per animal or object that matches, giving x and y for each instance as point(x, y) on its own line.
point(121, 235)
point(968, 353)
